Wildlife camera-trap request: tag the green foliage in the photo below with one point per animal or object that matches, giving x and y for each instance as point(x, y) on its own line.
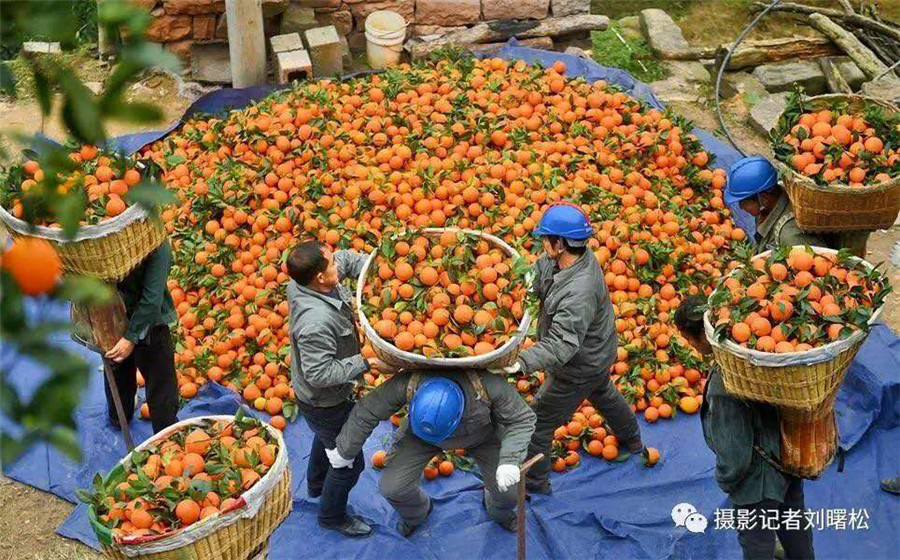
point(609, 50)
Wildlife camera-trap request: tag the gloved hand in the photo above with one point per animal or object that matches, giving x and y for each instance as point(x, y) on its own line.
point(507, 476)
point(337, 461)
point(516, 367)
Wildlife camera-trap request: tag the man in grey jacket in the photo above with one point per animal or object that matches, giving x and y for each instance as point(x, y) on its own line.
point(576, 339)
point(450, 409)
point(325, 361)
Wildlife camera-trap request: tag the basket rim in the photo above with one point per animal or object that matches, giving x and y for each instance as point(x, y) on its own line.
point(839, 188)
point(132, 214)
point(740, 351)
point(468, 361)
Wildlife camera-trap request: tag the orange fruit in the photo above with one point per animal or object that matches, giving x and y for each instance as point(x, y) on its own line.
point(188, 512)
point(379, 458)
point(33, 264)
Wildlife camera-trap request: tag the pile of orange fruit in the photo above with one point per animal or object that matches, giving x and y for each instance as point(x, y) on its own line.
point(480, 144)
point(796, 299)
point(102, 178)
point(195, 473)
point(837, 145)
point(445, 295)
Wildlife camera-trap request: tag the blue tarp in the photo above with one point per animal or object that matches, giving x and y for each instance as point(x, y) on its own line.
point(598, 510)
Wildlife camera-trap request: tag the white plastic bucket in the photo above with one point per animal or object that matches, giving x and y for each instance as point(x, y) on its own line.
point(385, 32)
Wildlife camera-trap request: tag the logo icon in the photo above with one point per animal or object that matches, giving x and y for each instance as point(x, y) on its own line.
point(685, 515)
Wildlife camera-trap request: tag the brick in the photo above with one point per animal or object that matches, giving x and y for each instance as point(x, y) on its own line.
point(204, 27)
point(341, 19)
point(447, 13)
point(194, 7)
point(523, 9)
point(297, 19)
point(286, 43)
point(166, 29)
point(292, 65)
point(221, 27)
point(325, 51)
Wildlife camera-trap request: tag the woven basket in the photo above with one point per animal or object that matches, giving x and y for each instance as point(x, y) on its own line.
point(107, 251)
point(809, 439)
point(839, 207)
point(800, 381)
point(240, 534)
point(388, 353)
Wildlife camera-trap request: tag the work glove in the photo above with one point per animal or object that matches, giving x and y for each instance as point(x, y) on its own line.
point(507, 477)
point(337, 461)
point(515, 368)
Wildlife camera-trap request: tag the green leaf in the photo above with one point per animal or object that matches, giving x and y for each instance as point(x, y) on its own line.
point(150, 195)
point(7, 80)
point(69, 211)
point(85, 290)
point(81, 112)
point(42, 90)
point(136, 112)
point(66, 440)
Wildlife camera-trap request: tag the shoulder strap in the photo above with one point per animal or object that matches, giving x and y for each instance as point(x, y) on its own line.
point(477, 385)
point(413, 384)
point(779, 225)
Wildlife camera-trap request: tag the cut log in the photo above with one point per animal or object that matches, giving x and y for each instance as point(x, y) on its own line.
point(867, 61)
point(889, 29)
point(836, 81)
point(848, 9)
point(491, 48)
point(501, 30)
point(757, 53)
point(694, 53)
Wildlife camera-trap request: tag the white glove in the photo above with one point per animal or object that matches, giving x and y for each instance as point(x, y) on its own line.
point(337, 461)
point(516, 367)
point(507, 476)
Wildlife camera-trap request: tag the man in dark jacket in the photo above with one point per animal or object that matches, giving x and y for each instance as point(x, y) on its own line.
point(325, 362)
point(147, 342)
point(746, 438)
point(470, 410)
point(577, 339)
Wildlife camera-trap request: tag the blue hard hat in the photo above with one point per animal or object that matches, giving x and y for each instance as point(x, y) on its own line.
point(748, 177)
point(567, 221)
point(436, 409)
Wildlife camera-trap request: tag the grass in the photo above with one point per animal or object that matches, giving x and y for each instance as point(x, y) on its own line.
point(609, 50)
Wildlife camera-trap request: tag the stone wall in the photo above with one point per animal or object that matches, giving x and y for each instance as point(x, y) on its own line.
point(182, 25)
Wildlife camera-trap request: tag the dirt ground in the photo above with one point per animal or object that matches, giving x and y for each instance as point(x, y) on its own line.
point(29, 517)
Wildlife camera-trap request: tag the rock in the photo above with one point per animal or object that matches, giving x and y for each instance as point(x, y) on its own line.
point(292, 65)
point(677, 88)
point(333, 4)
point(95, 87)
point(579, 52)
point(850, 71)
point(166, 29)
point(690, 70)
point(210, 62)
point(447, 12)
point(662, 33)
point(630, 28)
point(181, 49)
point(297, 19)
point(271, 8)
point(569, 7)
point(764, 115)
point(325, 51)
point(221, 27)
point(523, 9)
point(784, 76)
point(286, 43)
point(432, 30)
point(886, 87)
point(741, 83)
point(40, 47)
point(146, 5)
point(194, 7)
point(204, 27)
point(341, 19)
point(405, 8)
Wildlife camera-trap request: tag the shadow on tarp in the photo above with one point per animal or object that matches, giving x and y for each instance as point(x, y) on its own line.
point(599, 510)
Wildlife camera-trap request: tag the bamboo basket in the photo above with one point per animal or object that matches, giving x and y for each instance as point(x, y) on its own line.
point(800, 381)
point(839, 207)
point(809, 439)
point(239, 534)
point(99, 327)
point(107, 251)
point(388, 353)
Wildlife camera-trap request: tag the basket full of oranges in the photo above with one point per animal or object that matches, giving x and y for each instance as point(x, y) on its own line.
point(444, 298)
point(207, 488)
point(113, 237)
point(838, 157)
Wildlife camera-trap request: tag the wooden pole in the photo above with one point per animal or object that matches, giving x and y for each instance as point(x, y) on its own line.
point(117, 402)
point(520, 504)
point(246, 42)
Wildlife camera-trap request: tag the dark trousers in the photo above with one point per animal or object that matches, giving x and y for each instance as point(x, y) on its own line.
point(333, 484)
point(557, 400)
point(759, 543)
point(155, 357)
